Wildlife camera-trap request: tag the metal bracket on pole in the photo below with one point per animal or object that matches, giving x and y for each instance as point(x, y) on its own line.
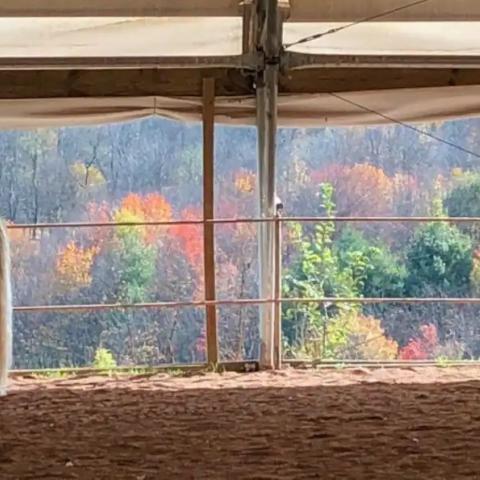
point(269, 44)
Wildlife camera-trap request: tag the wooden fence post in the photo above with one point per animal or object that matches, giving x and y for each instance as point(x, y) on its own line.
point(208, 214)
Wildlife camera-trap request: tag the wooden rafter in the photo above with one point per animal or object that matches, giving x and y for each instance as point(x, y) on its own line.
point(119, 8)
point(300, 10)
point(123, 83)
point(228, 82)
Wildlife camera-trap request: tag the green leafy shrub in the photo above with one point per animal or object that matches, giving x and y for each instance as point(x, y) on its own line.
point(439, 261)
point(104, 359)
point(383, 275)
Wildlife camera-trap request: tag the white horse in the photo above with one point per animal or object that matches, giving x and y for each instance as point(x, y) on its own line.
point(5, 310)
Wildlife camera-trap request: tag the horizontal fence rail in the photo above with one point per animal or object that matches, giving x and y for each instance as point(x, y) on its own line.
point(243, 366)
point(138, 306)
point(241, 302)
point(220, 221)
point(278, 301)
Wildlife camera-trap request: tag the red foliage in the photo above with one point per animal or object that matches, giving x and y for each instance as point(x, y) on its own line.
point(422, 347)
point(190, 238)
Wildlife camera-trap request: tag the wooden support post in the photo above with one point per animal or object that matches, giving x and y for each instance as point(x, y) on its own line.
point(208, 214)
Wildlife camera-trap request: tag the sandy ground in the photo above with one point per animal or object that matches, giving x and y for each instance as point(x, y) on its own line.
point(341, 424)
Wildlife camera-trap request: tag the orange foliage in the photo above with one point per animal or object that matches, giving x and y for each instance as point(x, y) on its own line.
point(359, 190)
point(133, 203)
point(74, 265)
point(149, 208)
point(190, 237)
point(156, 207)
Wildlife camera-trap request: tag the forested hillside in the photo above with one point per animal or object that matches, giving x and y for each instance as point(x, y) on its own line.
point(151, 170)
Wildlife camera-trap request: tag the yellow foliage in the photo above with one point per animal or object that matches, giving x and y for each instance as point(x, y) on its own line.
point(358, 337)
point(74, 265)
point(369, 338)
point(245, 182)
point(150, 208)
point(123, 215)
point(87, 176)
point(457, 172)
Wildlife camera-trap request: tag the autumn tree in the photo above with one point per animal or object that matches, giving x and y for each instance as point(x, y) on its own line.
point(74, 265)
point(363, 338)
point(361, 189)
point(318, 273)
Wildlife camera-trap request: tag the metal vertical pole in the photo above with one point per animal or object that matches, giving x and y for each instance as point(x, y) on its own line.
point(269, 41)
point(277, 317)
point(208, 214)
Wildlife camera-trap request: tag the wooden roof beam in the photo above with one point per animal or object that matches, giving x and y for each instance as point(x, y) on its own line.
point(299, 10)
point(120, 8)
point(354, 10)
point(306, 61)
point(21, 84)
point(25, 84)
point(247, 61)
point(357, 79)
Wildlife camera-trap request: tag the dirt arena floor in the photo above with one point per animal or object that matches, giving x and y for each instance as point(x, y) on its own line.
point(341, 424)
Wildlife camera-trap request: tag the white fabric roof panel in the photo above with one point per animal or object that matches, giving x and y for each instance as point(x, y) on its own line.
point(103, 37)
point(199, 36)
point(388, 38)
point(408, 105)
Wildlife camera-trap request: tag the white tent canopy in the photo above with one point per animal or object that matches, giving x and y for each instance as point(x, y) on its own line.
point(200, 36)
point(387, 64)
point(320, 110)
